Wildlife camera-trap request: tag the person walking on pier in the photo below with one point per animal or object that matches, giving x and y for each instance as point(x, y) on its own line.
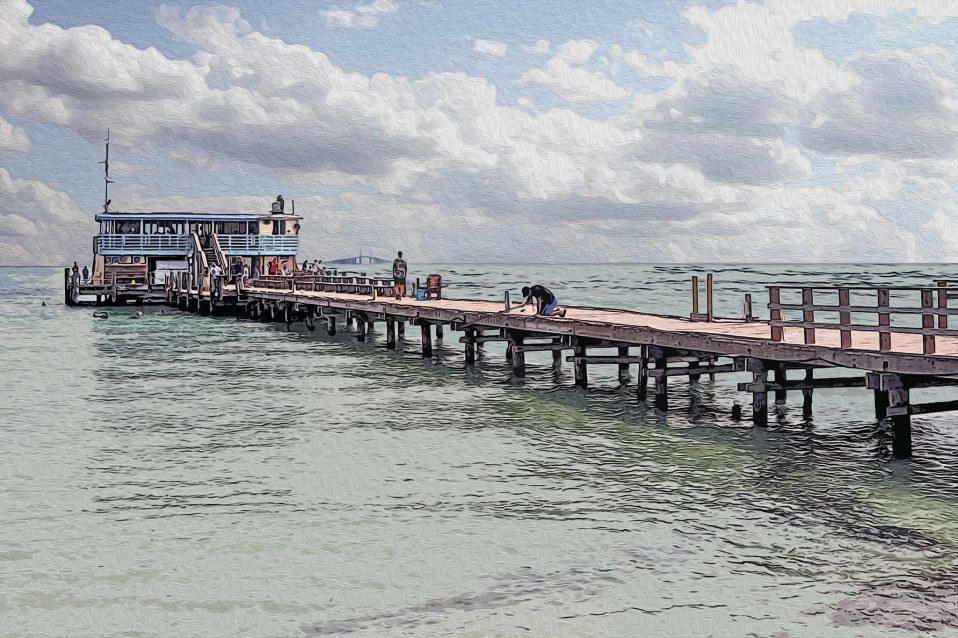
point(546, 303)
point(399, 276)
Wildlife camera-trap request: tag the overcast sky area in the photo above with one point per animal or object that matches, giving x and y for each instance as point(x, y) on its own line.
point(559, 131)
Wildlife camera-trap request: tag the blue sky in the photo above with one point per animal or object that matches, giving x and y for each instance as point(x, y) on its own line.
point(709, 130)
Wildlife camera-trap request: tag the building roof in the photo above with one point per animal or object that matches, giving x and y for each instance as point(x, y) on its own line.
point(209, 217)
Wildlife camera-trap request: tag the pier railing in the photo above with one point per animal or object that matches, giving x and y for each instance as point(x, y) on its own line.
point(855, 313)
point(326, 283)
point(142, 244)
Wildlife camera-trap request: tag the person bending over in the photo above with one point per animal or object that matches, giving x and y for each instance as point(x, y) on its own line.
point(546, 302)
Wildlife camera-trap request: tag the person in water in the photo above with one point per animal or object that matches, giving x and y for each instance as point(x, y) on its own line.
point(546, 303)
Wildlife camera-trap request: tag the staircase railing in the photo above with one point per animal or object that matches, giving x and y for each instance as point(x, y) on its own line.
point(199, 265)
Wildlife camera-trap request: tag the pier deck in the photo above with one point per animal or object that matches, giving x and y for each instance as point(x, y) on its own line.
point(898, 347)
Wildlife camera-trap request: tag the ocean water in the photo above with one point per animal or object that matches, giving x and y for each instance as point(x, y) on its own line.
point(178, 475)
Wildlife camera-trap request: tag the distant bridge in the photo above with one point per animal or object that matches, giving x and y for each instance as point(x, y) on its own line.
point(361, 259)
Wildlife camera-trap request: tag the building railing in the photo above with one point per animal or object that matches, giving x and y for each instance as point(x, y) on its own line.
point(918, 319)
point(328, 283)
point(259, 244)
point(141, 244)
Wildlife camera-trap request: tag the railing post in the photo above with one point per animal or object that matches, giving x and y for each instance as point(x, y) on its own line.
point(808, 315)
point(747, 308)
point(708, 300)
point(508, 303)
point(775, 313)
point(884, 321)
point(943, 303)
point(695, 295)
point(927, 323)
point(844, 316)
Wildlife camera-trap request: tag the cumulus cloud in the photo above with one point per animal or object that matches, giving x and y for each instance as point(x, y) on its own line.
point(564, 75)
point(39, 225)
point(490, 47)
point(363, 16)
point(717, 165)
point(13, 138)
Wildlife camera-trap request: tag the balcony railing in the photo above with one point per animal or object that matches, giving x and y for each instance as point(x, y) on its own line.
point(259, 244)
point(142, 244)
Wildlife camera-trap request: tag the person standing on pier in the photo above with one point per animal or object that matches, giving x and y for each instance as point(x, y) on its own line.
point(86, 274)
point(76, 270)
point(546, 303)
point(399, 276)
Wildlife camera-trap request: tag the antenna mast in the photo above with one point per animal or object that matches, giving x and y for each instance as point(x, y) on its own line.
point(106, 175)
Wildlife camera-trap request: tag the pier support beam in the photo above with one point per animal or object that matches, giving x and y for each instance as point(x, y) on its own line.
point(778, 376)
point(759, 391)
point(438, 333)
point(623, 367)
point(390, 333)
point(581, 368)
point(401, 330)
point(557, 354)
point(807, 394)
point(426, 339)
point(642, 391)
point(892, 399)
point(661, 380)
point(331, 325)
point(360, 330)
point(516, 339)
point(470, 346)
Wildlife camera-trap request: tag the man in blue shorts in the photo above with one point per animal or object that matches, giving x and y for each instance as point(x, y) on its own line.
point(546, 303)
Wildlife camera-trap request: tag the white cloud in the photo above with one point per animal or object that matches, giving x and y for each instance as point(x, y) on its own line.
point(363, 16)
point(13, 138)
point(541, 47)
point(564, 76)
point(490, 47)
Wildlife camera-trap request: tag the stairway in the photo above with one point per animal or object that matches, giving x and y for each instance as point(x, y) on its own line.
point(211, 257)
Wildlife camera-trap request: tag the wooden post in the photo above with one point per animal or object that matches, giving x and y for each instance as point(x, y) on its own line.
point(807, 394)
point(747, 308)
point(775, 313)
point(779, 376)
point(67, 292)
point(845, 317)
point(759, 392)
point(349, 319)
point(557, 354)
point(581, 369)
point(508, 304)
point(661, 382)
point(642, 392)
point(516, 338)
point(884, 320)
point(808, 315)
point(927, 323)
point(439, 333)
point(943, 303)
point(360, 330)
point(426, 339)
point(310, 324)
point(331, 325)
point(470, 346)
point(898, 397)
point(693, 376)
point(695, 295)
point(401, 330)
point(708, 293)
point(623, 367)
point(390, 333)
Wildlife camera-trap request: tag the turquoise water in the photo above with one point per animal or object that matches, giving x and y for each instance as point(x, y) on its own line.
point(178, 475)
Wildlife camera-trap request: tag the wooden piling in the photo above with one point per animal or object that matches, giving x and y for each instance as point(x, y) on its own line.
point(623, 367)
point(426, 339)
point(779, 376)
point(438, 333)
point(360, 330)
point(557, 354)
point(807, 394)
point(470, 346)
point(642, 391)
point(516, 339)
point(759, 391)
point(661, 381)
point(331, 325)
point(708, 292)
point(390, 333)
point(581, 369)
point(401, 330)
point(695, 295)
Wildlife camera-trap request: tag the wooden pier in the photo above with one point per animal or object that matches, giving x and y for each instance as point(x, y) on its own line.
point(782, 355)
